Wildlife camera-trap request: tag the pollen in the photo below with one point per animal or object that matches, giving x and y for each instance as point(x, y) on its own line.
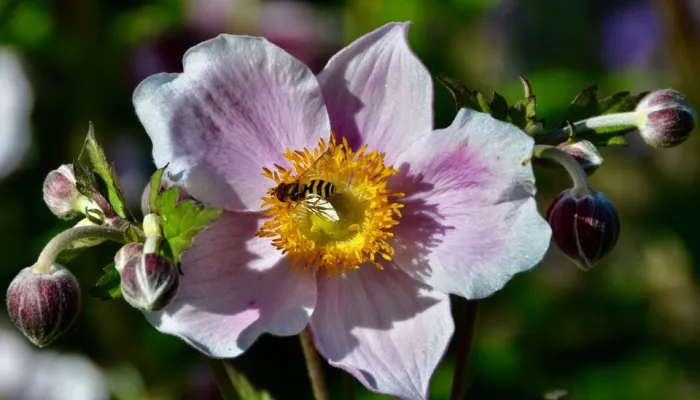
point(333, 230)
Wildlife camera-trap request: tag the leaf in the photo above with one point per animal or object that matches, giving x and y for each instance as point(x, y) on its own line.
point(616, 141)
point(95, 174)
point(183, 220)
point(588, 104)
point(464, 97)
point(155, 182)
point(499, 107)
point(109, 286)
point(244, 388)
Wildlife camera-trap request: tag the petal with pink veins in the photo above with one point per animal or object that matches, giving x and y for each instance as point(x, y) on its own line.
point(235, 287)
point(386, 329)
point(378, 92)
point(470, 220)
point(239, 104)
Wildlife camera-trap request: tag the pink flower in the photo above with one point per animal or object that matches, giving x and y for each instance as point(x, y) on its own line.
point(378, 305)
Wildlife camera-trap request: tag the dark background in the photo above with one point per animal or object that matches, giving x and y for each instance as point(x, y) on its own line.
point(629, 329)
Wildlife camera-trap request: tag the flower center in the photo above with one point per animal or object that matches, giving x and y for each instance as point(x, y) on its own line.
point(332, 209)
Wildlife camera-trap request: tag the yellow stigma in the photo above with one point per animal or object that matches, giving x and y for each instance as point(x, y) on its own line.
point(362, 208)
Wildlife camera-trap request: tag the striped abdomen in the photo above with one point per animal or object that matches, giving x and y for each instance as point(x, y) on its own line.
point(297, 191)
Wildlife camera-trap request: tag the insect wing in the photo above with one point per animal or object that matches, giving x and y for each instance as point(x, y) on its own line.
point(313, 165)
point(320, 207)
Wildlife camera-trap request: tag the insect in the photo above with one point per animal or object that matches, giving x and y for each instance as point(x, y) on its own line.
point(312, 194)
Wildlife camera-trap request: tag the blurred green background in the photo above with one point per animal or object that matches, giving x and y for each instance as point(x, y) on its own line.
point(629, 329)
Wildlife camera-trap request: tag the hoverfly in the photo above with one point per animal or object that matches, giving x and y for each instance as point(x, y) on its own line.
point(312, 194)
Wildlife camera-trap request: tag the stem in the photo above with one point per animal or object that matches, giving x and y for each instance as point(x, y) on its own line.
point(578, 175)
point(152, 244)
point(612, 121)
point(313, 366)
point(465, 346)
point(223, 379)
point(61, 241)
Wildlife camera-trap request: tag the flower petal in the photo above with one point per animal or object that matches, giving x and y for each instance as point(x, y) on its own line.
point(239, 104)
point(470, 218)
point(378, 92)
point(235, 288)
point(383, 327)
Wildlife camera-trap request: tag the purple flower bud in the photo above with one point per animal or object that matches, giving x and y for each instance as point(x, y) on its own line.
point(149, 282)
point(60, 192)
point(586, 228)
point(585, 153)
point(668, 118)
point(126, 253)
point(44, 305)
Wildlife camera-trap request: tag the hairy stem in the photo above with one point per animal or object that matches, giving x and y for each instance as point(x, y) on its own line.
point(612, 121)
point(223, 379)
point(313, 366)
point(578, 175)
point(64, 239)
point(465, 346)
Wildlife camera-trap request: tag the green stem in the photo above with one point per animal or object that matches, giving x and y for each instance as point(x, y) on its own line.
point(313, 366)
point(465, 346)
point(64, 239)
point(617, 121)
point(223, 379)
point(561, 157)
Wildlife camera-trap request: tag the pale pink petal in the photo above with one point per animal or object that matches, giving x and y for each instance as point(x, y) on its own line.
point(378, 92)
point(234, 288)
point(470, 221)
point(383, 327)
point(239, 103)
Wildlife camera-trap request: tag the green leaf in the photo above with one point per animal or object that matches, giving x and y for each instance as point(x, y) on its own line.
point(616, 141)
point(182, 221)
point(464, 97)
point(588, 103)
point(499, 107)
point(94, 173)
point(109, 286)
point(155, 182)
point(244, 388)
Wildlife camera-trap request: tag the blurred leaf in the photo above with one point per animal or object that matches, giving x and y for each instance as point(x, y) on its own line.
point(617, 141)
point(96, 174)
point(499, 107)
point(182, 221)
point(588, 104)
point(109, 286)
point(557, 394)
point(244, 388)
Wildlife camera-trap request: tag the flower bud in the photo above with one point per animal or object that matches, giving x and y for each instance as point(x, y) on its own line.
point(586, 228)
point(149, 282)
point(44, 305)
point(668, 118)
point(585, 153)
point(126, 253)
point(60, 192)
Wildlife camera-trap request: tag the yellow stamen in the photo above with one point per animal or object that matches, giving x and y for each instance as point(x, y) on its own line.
point(362, 208)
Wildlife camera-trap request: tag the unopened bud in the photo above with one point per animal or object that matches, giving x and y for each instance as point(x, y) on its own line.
point(149, 282)
point(126, 253)
point(585, 153)
point(585, 228)
point(60, 192)
point(668, 118)
point(44, 305)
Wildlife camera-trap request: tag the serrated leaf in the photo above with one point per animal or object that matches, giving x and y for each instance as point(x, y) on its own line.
point(585, 105)
point(155, 183)
point(464, 97)
point(499, 107)
point(109, 286)
point(95, 173)
point(182, 221)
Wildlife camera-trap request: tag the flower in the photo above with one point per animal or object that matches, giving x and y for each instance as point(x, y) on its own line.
point(419, 214)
